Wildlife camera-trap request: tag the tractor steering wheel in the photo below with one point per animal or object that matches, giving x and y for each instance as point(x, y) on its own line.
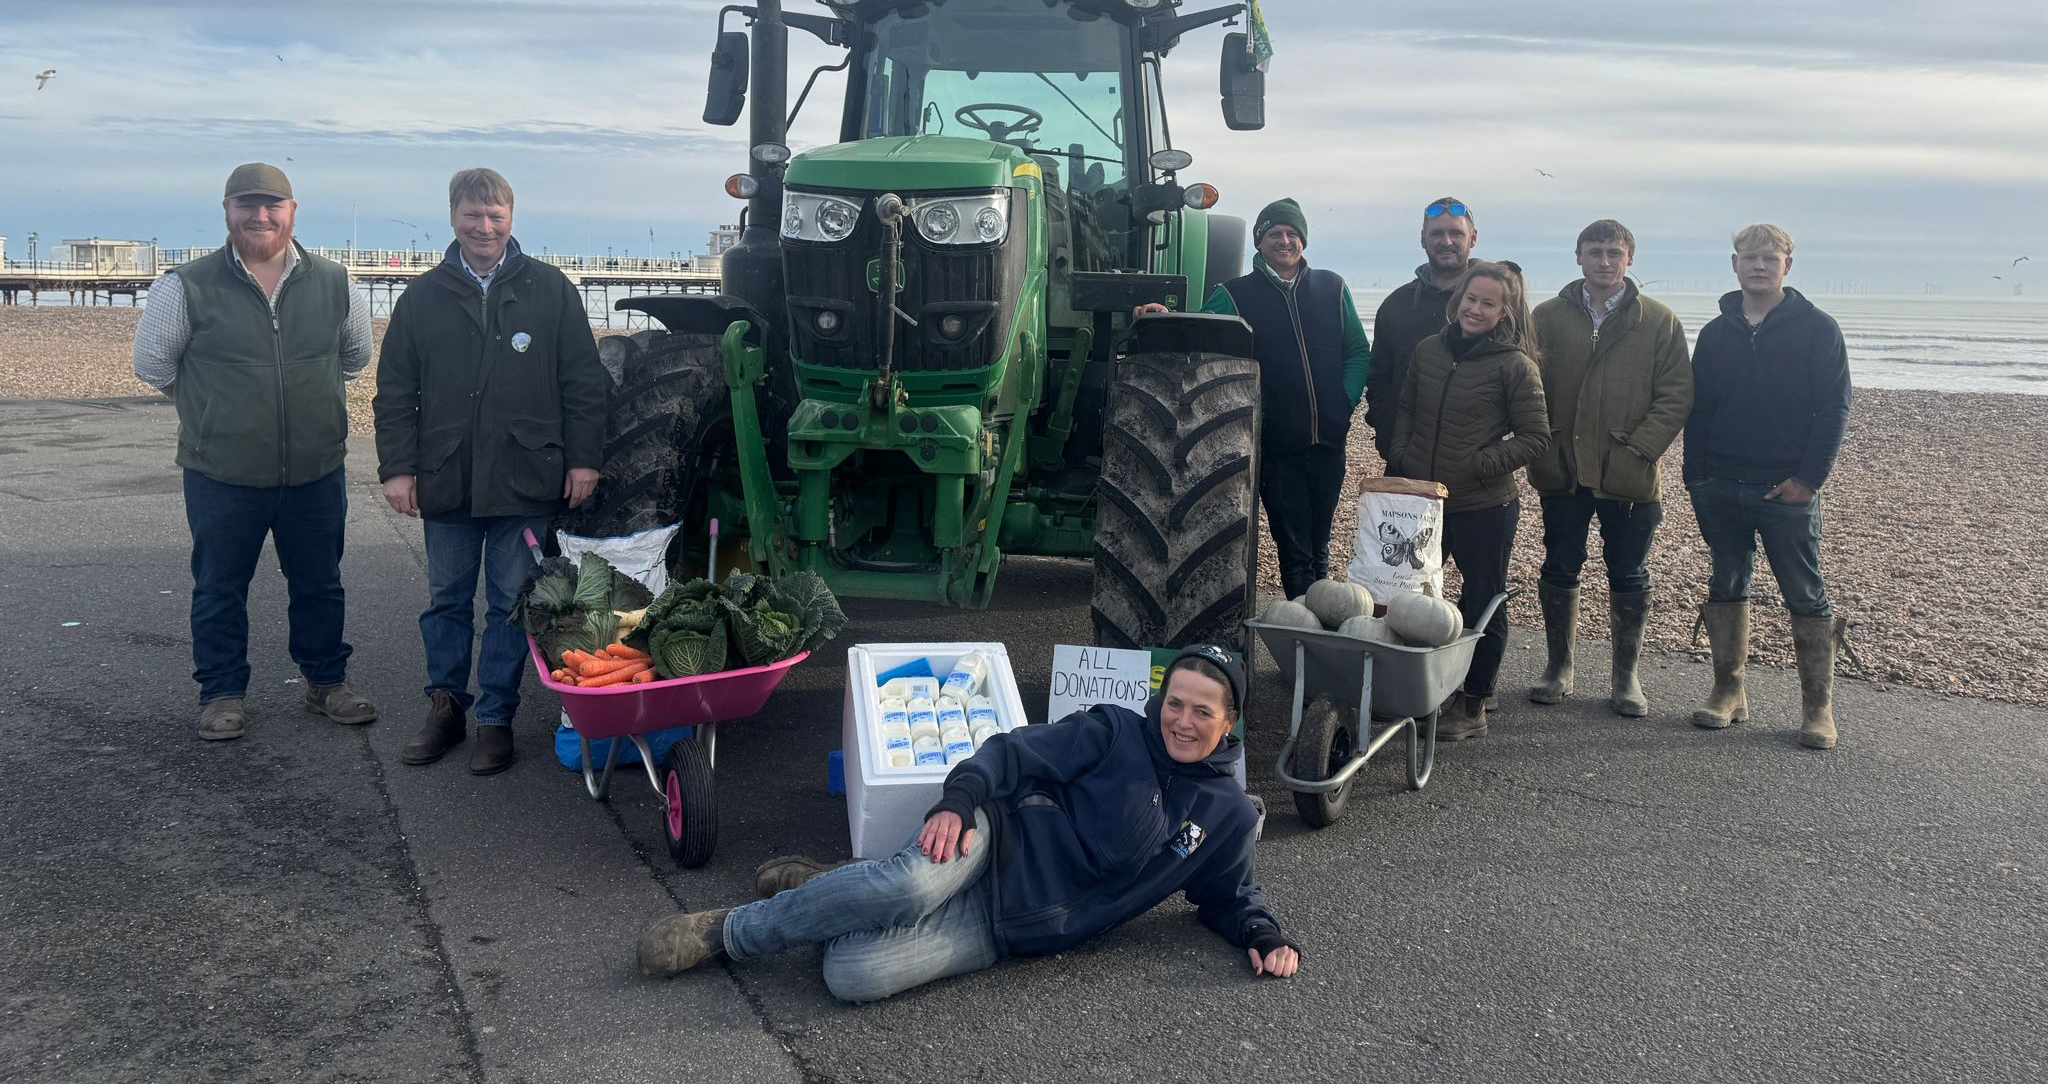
point(1027, 123)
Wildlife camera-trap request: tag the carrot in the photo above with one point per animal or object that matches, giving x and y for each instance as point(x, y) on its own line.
point(559, 675)
point(616, 677)
point(641, 678)
point(573, 659)
point(600, 667)
point(621, 651)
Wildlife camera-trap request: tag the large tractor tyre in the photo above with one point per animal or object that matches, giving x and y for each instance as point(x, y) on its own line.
point(1176, 532)
point(669, 390)
point(1225, 255)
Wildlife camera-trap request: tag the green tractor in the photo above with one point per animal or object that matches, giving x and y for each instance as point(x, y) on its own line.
point(923, 356)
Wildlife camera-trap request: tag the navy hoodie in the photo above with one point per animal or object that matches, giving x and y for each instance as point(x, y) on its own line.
point(1094, 825)
point(1768, 402)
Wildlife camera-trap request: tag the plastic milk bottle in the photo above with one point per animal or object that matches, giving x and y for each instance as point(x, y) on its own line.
point(982, 722)
point(907, 689)
point(926, 748)
point(896, 733)
point(967, 677)
point(953, 730)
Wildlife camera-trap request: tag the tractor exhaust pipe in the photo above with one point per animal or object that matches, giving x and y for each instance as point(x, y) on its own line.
point(752, 269)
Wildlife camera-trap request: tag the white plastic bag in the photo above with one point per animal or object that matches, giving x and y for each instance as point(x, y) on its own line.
point(642, 556)
point(1400, 537)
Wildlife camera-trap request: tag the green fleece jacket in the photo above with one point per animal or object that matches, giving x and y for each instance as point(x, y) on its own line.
point(1618, 396)
point(1357, 352)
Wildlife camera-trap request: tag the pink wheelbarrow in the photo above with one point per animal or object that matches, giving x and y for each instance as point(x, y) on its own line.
point(688, 796)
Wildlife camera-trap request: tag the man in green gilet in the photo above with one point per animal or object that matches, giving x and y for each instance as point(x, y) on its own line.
point(254, 342)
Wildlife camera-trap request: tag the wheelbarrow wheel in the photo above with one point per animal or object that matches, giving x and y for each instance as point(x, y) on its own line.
point(689, 804)
point(1326, 743)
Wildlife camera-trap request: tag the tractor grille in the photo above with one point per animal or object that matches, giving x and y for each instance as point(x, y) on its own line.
point(835, 276)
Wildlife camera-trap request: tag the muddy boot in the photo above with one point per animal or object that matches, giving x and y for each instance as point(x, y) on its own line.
point(681, 941)
point(1630, 611)
point(1727, 625)
point(1814, 640)
point(1560, 625)
point(1463, 720)
point(786, 872)
point(222, 719)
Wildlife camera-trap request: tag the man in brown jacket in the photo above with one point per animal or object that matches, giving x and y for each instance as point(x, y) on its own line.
point(1619, 386)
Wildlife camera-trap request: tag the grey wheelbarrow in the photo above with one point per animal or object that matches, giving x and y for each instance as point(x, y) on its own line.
point(1400, 688)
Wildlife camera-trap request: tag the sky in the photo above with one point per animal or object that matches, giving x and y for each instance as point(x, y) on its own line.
point(1903, 144)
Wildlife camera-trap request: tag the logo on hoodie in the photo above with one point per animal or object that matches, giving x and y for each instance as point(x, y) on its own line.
point(1188, 838)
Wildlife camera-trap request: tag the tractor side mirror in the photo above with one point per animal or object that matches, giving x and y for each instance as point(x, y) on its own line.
point(1243, 86)
point(727, 97)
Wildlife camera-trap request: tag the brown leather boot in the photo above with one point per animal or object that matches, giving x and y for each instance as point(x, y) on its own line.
point(1560, 625)
point(1466, 719)
point(492, 752)
point(443, 730)
point(1814, 640)
point(786, 872)
point(1727, 625)
point(222, 719)
point(1630, 612)
point(679, 942)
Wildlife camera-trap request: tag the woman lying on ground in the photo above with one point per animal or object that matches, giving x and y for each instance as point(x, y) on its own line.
point(1047, 836)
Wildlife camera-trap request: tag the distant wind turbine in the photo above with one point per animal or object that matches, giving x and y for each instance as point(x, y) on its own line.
point(45, 76)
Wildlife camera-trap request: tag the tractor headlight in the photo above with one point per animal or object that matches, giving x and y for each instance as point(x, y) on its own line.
point(814, 216)
point(963, 220)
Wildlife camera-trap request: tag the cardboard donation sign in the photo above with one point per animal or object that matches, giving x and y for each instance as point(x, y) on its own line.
point(1083, 677)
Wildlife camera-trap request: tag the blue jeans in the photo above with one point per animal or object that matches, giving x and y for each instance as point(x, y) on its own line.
point(456, 550)
point(887, 925)
point(1733, 515)
point(228, 524)
point(1626, 530)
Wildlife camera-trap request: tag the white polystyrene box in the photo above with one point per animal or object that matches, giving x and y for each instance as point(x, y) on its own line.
point(884, 805)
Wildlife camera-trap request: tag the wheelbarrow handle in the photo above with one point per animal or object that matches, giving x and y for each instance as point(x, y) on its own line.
point(532, 544)
point(1499, 600)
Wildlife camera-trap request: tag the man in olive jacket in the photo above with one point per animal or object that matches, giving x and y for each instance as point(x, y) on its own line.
point(490, 416)
point(1619, 385)
point(254, 342)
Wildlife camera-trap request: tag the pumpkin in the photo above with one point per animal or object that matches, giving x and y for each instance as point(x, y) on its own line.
point(1289, 612)
point(1422, 620)
point(1335, 602)
point(1367, 627)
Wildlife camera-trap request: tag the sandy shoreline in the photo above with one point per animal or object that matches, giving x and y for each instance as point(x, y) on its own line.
point(1932, 516)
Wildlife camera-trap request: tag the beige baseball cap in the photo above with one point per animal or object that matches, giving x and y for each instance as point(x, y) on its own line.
point(258, 179)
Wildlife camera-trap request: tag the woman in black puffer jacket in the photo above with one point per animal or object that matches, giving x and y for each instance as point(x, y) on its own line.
point(1471, 414)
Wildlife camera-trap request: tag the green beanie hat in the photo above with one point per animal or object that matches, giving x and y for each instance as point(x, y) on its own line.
point(1281, 212)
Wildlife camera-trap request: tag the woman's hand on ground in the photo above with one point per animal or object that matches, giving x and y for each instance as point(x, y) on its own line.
point(943, 838)
point(1279, 963)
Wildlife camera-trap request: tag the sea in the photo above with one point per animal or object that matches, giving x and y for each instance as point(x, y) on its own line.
point(1934, 343)
point(1931, 342)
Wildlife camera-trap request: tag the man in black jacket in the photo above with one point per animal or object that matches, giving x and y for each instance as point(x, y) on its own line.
point(1048, 836)
point(1416, 311)
point(490, 415)
point(1314, 361)
point(1770, 403)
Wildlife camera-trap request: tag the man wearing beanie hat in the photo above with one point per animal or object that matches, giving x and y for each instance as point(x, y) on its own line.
point(254, 341)
point(1313, 359)
point(1046, 837)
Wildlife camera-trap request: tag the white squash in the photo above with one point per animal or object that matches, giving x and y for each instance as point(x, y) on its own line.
point(1422, 620)
point(1288, 612)
point(1368, 627)
point(1335, 602)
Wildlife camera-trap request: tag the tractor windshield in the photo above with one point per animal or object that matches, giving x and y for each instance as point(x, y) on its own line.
point(1048, 79)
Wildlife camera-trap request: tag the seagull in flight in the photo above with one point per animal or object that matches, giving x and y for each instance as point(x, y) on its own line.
point(404, 223)
point(2019, 261)
point(45, 76)
point(280, 57)
point(1546, 173)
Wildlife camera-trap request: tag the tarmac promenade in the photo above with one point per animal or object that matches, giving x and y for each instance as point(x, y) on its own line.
point(1577, 897)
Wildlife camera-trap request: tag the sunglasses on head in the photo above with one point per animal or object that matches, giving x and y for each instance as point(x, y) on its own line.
point(1438, 210)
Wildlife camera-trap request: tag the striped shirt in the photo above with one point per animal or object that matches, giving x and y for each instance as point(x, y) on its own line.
point(1599, 313)
point(165, 330)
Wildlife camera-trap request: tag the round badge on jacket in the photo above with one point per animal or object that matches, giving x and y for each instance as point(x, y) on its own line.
point(521, 340)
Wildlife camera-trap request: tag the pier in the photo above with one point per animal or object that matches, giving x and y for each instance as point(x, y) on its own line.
point(110, 271)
